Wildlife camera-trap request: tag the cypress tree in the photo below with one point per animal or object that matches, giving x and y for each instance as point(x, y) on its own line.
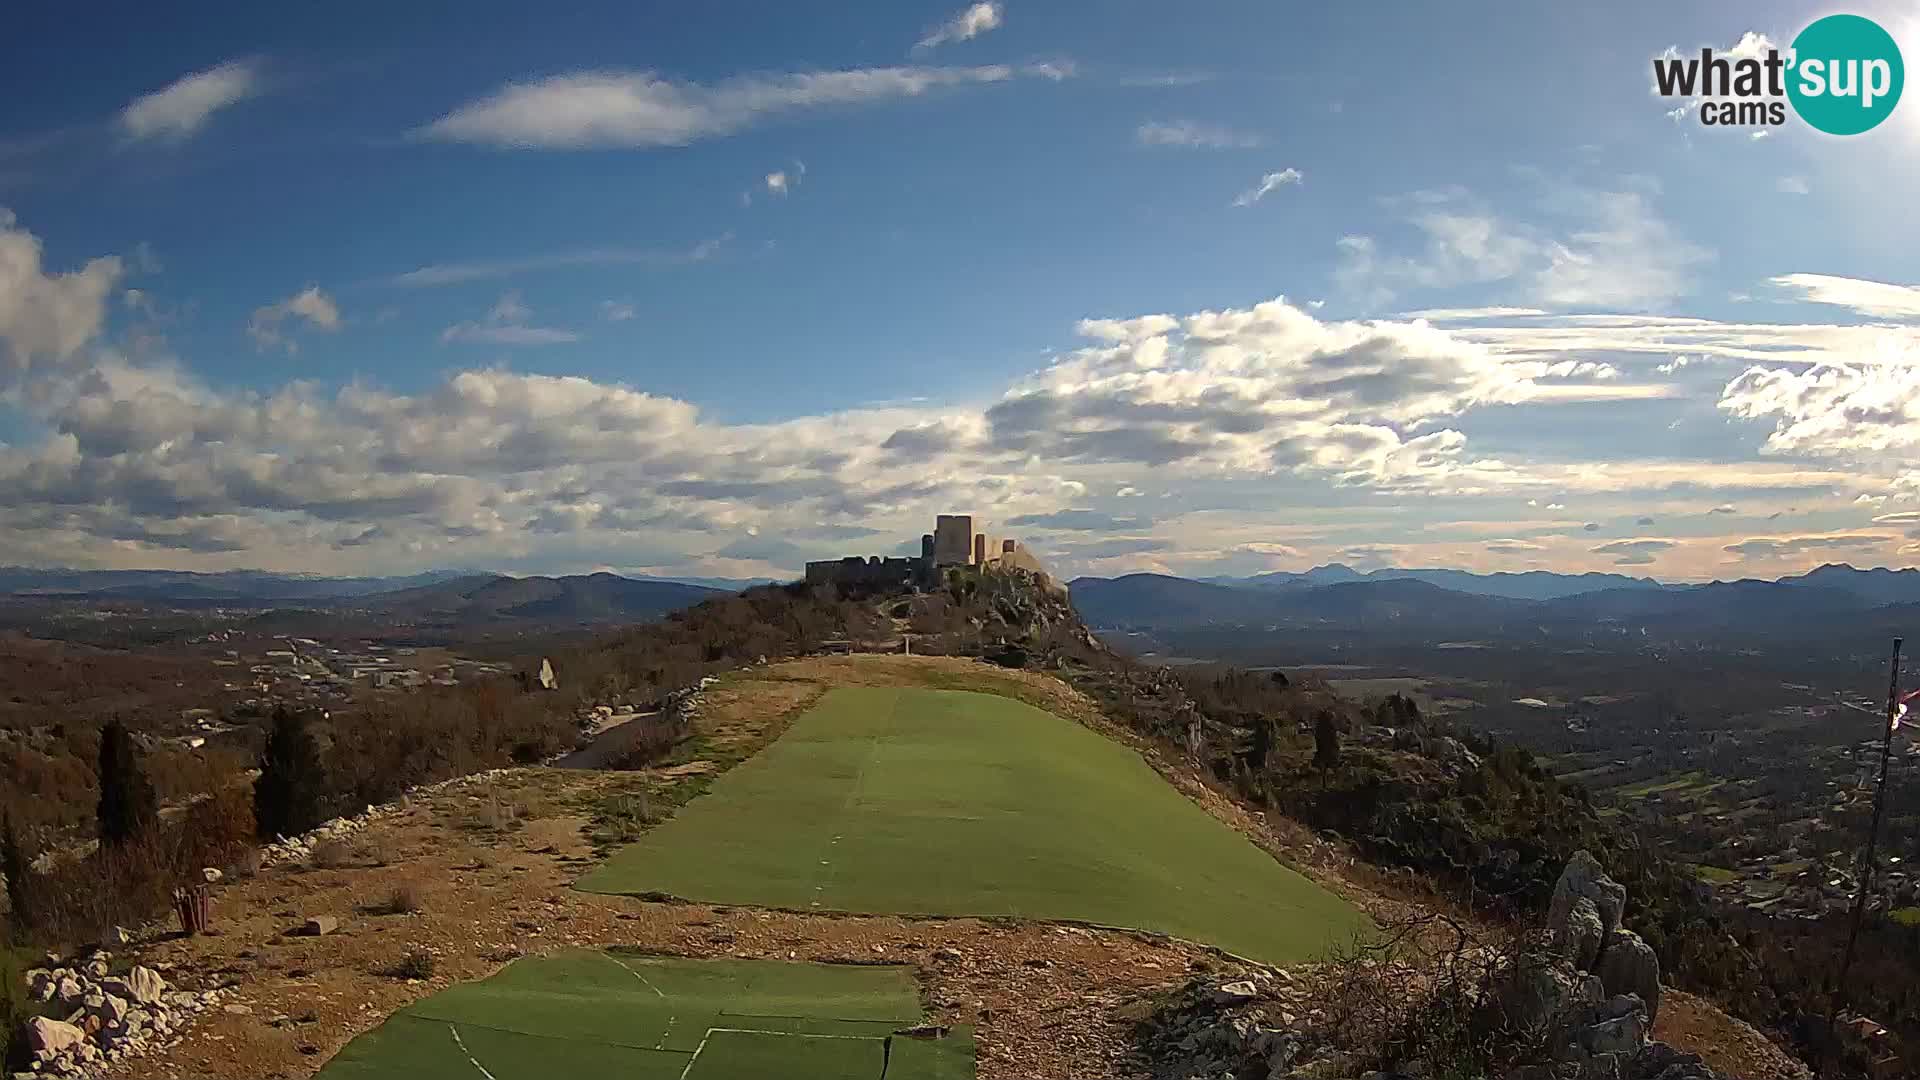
point(1326, 741)
point(289, 797)
point(128, 806)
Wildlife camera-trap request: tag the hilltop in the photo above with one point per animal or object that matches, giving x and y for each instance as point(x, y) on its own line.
point(1406, 815)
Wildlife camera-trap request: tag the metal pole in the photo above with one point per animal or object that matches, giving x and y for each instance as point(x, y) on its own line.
point(1873, 839)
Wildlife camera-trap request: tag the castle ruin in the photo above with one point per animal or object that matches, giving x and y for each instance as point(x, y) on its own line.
point(952, 543)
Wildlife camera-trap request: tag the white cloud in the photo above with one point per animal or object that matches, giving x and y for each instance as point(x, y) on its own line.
point(1620, 253)
point(616, 310)
point(1793, 185)
point(311, 305)
point(182, 108)
point(777, 183)
point(46, 318)
point(641, 109)
point(1215, 413)
point(1192, 136)
point(1268, 184)
point(506, 324)
point(1866, 409)
point(975, 20)
point(456, 273)
point(1866, 297)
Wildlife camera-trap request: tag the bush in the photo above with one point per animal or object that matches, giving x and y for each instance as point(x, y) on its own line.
point(1420, 993)
point(418, 964)
point(79, 900)
point(405, 899)
point(14, 1010)
point(13, 864)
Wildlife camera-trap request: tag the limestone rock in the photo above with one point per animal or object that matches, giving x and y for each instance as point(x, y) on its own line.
point(1628, 966)
point(319, 925)
point(1583, 878)
point(142, 985)
point(47, 1038)
point(1578, 936)
point(1539, 993)
point(1235, 993)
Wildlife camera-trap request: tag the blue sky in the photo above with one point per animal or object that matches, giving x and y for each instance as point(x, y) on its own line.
point(715, 289)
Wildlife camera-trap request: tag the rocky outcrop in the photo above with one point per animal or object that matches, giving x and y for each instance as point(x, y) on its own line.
point(108, 1018)
point(1627, 965)
point(1591, 996)
point(1586, 909)
point(1574, 1002)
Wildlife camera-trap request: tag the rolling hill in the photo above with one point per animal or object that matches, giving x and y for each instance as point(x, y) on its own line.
point(579, 598)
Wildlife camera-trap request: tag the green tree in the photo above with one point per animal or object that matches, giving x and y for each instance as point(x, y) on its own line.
point(290, 797)
point(1326, 740)
point(129, 808)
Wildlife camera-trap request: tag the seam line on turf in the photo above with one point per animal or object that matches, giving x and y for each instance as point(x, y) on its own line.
point(671, 1017)
point(471, 1060)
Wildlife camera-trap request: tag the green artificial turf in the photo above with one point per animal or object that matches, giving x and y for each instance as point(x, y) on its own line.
point(621, 1015)
point(940, 802)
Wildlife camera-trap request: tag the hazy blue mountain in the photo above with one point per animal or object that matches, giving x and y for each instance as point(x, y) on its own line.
point(1530, 585)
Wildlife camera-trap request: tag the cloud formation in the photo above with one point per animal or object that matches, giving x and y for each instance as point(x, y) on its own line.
point(641, 109)
point(1866, 297)
point(310, 305)
point(1191, 136)
point(455, 273)
point(1268, 184)
point(1154, 441)
point(1603, 249)
point(970, 23)
point(46, 318)
point(180, 109)
point(507, 324)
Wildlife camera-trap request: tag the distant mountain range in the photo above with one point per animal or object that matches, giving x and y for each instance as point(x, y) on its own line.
point(610, 593)
point(583, 598)
point(1456, 604)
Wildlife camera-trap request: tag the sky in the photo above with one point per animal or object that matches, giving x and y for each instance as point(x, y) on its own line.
point(711, 290)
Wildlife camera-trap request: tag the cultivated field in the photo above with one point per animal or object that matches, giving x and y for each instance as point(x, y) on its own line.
point(934, 802)
point(591, 1013)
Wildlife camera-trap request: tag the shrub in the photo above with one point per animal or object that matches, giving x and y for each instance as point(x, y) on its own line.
point(417, 964)
point(405, 899)
point(13, 863)
point(14, 1010)
point(79, 900)
point(218, 829)
point(290, 796)
point(129, 807)
point(1419, 993)
point(622, 818)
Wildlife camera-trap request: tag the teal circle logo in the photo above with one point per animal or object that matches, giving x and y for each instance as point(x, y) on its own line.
point(1846, 74)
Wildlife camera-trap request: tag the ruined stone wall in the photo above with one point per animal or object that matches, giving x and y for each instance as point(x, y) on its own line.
point(953, 540)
